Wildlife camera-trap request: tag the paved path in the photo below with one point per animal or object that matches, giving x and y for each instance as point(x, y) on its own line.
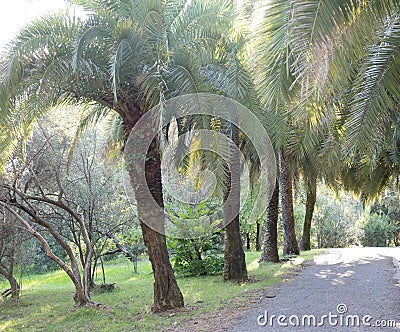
point(346, 284)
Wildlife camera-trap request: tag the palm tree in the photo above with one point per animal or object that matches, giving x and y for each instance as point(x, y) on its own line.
point(231, 79)
point(362, 86)
point(123, 56)
point(364, 76)
point(290, 39)
point(311, 194)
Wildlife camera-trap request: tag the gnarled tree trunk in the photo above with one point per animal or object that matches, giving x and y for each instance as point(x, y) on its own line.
point(305, 243)
point(14, 286)
point(270, 249)
point(167, 294)
point(290, 246)
point(80, 297)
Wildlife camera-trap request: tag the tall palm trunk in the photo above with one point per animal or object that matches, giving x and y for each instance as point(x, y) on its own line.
point(290, 246)
point(167, 294)
point(258, 236)
point(305, 243)
point(270, 249)
point(234, 258)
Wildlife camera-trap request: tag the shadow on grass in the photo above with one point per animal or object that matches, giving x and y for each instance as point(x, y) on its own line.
point(47, 300)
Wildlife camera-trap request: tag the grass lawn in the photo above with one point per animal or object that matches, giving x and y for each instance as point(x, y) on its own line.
point(47, 305)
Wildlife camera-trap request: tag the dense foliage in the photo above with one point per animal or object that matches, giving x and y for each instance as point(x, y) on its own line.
point(196, 257)
point(323, 77)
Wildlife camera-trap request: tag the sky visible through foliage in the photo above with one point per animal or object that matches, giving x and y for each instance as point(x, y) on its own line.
point(15, 14)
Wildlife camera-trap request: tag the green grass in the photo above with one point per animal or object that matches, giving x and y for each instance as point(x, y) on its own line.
point(47, 304)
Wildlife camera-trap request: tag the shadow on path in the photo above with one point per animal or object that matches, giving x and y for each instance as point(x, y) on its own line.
point(350, 289)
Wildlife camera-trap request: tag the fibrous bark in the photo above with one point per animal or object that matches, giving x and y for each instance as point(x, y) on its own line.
point(270, 249)
point(290, 246)
point(305, 243)
point(234, 258)
point(167, 294)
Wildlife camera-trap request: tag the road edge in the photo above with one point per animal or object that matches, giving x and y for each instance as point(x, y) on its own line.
point(396, 263)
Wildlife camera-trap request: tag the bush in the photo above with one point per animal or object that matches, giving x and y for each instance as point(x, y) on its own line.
point(334, 219)
point(196, 257)
point(376, 230)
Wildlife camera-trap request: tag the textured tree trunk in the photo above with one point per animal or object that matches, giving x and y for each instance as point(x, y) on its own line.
point(248, 244)
point(270, 248)
point(290, 246)
point(15, 289)
point(234, 258)
point(222, 238)
point(305, 243)
point(258, 236)
point(167, 294)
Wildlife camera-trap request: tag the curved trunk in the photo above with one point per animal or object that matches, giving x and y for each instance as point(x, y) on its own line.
point(80, 297)
point(290, 246)
point(36, 219)
point(234, 258)
point(167, 294)
point(14, 286)
point(305, 243)
point(270, 248)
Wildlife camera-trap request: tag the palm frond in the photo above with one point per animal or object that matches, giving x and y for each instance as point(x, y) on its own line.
point(375, 89)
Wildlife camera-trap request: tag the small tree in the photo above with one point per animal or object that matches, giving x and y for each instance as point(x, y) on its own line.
point(376, 230)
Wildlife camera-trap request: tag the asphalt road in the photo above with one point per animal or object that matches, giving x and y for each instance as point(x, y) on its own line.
point(354, 289)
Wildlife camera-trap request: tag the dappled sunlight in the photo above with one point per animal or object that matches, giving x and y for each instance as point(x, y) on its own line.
point(346, 261)
point(46, 309)
point(297, 261)
point(346, 274)
point(4, 326)
point(323, 274)
point(360, 256)
point(336, 278)
point(254, 265)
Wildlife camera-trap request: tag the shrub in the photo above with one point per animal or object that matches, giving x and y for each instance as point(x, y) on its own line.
point(376, 230)
point(195, 257)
